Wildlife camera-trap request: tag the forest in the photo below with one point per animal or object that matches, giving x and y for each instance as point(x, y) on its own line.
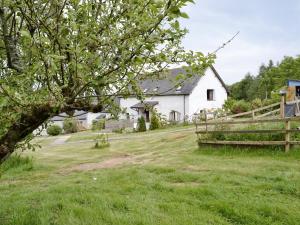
point(263, 88)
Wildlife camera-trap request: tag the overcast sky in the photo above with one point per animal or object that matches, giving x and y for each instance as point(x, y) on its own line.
point(269, 29)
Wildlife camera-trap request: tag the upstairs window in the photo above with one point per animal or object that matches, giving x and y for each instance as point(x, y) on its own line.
point(210, 94)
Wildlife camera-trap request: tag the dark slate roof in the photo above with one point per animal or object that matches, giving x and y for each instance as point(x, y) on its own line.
point(144, 104)
point(168, 85)
point(101, 116)
point(219, 78)
point(78, 115)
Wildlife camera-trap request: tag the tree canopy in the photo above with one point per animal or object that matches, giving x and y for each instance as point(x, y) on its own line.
point(269, 80)
point(65, 55)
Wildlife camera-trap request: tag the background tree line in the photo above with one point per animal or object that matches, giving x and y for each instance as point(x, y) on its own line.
point(255, 91)
point(269, 80)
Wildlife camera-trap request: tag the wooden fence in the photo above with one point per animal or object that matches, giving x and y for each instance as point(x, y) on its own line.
point(287, 131)
point(266, 111)
point(258, 116)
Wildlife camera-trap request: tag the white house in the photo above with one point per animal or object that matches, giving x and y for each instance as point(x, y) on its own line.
point(85, 119)
point(175, 101)
point(181, 102)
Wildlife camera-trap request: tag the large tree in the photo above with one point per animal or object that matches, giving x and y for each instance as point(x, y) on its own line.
point(65, 55)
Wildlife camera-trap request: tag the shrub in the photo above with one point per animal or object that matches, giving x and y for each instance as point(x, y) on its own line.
point(229, 104)
point(256, 103)
point(186, 123)
point(220, 135)
point(173, 123)
point(118, 130)
point(54, 130)
point(270, 101)
point(102, 141)
point(70, 126)
point(98, 124)
point(240, 106)
point(154, 121)
point(141, 124)
point(163, 122)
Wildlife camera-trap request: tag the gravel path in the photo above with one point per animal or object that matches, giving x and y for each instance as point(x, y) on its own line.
point(61, 140)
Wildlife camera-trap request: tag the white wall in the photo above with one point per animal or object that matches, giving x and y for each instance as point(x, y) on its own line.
point(59, 123)
point(198, 97)
point(165, 105)
point(194, 102)
point(90, 117)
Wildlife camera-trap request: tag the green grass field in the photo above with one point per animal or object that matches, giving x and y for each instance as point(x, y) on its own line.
point(155, 178)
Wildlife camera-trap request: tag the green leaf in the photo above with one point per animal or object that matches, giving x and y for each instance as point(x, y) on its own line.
point(184, 15)
point(25, 33)
point(60, 57)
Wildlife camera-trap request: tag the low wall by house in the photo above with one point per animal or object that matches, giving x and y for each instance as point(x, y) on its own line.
point(117, 124)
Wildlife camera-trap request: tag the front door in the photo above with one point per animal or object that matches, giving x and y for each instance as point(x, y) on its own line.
point(147, 115)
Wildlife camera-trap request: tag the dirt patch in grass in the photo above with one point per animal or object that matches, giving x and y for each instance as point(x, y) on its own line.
point(196, 169)
point(178, 136)
point(173, 137)
point(185, 184)
point(110, 163)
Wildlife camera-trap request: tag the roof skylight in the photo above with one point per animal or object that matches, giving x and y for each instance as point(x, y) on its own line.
point(178, 88)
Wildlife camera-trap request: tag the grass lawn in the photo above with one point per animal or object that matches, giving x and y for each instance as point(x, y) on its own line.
point(160, 178)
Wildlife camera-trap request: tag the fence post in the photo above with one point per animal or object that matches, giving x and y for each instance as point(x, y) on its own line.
point(287, 135)
point(282, 105)
point(205, 118)
point(196, 123)
point(253, 115)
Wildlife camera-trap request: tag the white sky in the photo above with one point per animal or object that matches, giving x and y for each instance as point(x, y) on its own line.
point(269, 29)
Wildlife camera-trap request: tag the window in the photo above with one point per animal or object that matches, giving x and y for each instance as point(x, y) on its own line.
point(174, 116)
point(210, 94)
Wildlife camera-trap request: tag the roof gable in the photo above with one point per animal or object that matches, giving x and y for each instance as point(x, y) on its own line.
point(169, 85)
point(219, 78)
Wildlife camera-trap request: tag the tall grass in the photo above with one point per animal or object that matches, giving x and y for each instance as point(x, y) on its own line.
point(17, 163)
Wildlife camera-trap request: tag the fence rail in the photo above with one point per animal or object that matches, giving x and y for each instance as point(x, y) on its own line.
point(287, 142)
point(216, 122)
point(247, 131)
point(252, 112)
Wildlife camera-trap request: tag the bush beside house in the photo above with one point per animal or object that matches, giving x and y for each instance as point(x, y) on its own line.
point(240, 106)
point(54, 130)
point(154, 121)
point(141, 124)
point(70, 126)
point(98, 124)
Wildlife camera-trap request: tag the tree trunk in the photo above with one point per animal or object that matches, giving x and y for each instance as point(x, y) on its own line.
point(28, 122)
